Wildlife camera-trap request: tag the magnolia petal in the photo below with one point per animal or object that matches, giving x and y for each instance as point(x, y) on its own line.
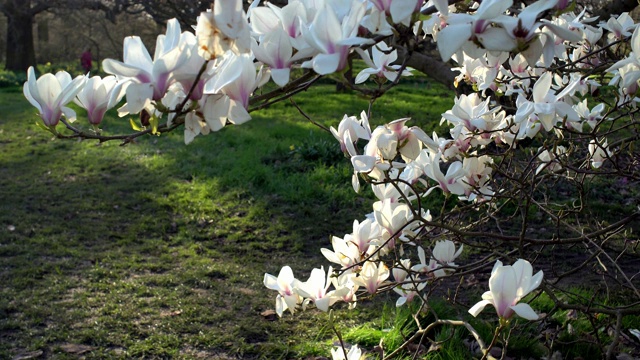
point(216, 110)
point(228, 15)
point(30, 89)
point(400, 10)
point(490, 9)
point(355, 182)
point(324, 64)
point(270, 282)
point(281, 305)
point(237, 113)
point(451, 38)
point(533, 52)
point(280, 76)
point(291, 301)
point(502, 285)
point(497, 39)
point(561, 32)
point(363, 163)
point(541, 88)
point(525, 311)
point(478, 307)
point(364, 75)
point(323, 304)
point(263, 20)
point(135, 53)
point(535, 281)
point(121, 69)
point(71, 90)
point(69, 113)
point(137, 96)
point(354, 41)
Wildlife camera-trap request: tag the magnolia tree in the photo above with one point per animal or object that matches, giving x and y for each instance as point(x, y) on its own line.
point(550, 123)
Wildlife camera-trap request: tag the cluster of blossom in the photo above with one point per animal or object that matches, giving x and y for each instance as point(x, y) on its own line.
point(208, 79)
point(210, 76)
point(486, 44)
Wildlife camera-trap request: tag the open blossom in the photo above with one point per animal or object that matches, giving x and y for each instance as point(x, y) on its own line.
point(315, 289)
point(391, 217)
point(275, 50)
point(372, 276)
point(345, 253)
point(50, 93)
point(284, 284)
point(380, 65)
point(350, 130)
point(99, 95)
point(507, 286)
point(332, 36)
point(408, 291)
point(148, 79)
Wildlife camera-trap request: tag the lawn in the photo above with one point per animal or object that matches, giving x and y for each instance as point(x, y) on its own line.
point(158, 250)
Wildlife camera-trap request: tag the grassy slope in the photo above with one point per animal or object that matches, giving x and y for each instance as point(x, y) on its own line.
point(158, 249)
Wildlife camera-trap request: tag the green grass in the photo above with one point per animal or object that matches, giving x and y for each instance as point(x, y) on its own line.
point(158, 249)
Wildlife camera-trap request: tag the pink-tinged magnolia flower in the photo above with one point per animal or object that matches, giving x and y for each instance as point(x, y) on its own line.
point(237, 79)
point(391, 217)
point(380, 64)
point(291, 18)
point(408, 291)
point(463, 29)
point(470, 111)
point(507, 286)
point(50, 93)
point(449, 183)
point(356, 129)
point(372, 276)
point(98, 96)
point(332, 38)
point(315, 289)
point(547, 106)
point(275, 50)
point(284, 284)
point(431, 268)
point(549, 160)
point(346, 288)
point(345, 253)
point(400, 272)
point(149, 79)
point(619, 27)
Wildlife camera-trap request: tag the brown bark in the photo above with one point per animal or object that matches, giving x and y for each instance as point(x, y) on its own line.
point(431, 66)
point(20, 52)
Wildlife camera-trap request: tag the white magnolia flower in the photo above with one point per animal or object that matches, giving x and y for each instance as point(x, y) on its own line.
point(507, 286)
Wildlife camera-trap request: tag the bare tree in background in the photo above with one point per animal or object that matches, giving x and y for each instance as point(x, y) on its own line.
point(20, 49)
point(20, 14)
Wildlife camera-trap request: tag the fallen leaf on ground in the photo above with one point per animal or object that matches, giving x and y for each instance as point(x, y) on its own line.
point(76, 348)
point(28, 355)
point(269, 315)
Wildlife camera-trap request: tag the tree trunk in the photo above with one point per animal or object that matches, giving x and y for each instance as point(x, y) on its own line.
point(20, 49)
